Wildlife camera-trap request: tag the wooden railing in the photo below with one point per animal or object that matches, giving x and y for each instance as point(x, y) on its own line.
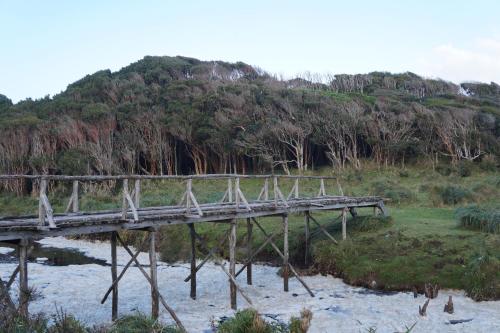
point(131, 199)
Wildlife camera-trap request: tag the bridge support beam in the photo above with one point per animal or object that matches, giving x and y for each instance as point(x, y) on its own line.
point(232, 264)
point(155, 303)
point(307, 237)
point(192, 232)
point(24, 292)
point(285, 252)
point(249, 251)
point(114, 277)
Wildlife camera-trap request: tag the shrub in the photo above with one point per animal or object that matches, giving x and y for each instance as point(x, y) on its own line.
point(488, 163)
point(452, 195)
point(64, 323)
point(246, 321)
point(477, 218)
point(404, 174)
point(464, 168)
point(393, 191)
point(443, 169)
point(482, 281)
point(140, 323)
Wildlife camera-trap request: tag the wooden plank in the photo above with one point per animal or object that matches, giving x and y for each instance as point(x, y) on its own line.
point(155, 304)
point(285, 252)
point(232, 264)
point(249, 251)
point(192, 276)
point(114, 276)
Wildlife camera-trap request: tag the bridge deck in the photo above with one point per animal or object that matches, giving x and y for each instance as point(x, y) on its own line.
point(15, 228)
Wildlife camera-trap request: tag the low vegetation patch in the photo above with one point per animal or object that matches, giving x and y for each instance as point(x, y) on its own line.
point(479, 218)
point(482, 281)
point(249, 321)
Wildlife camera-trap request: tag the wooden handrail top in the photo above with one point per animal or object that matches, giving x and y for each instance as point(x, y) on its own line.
point(146, 177)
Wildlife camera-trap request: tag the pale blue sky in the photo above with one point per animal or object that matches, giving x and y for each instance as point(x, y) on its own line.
point(45, 45)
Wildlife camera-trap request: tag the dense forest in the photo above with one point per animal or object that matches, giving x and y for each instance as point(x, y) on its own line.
point(169, 115)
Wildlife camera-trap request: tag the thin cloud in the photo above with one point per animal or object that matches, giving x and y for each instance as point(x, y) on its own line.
point(480, 62)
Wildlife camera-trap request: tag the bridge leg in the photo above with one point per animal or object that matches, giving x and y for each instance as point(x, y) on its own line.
point(232, 263)
point(23, 278)
point(155, 304)
point(285, 252)
point(192, 232)
point(114, 276)
point(308, 238)
point(344, 224)
point(249, 251)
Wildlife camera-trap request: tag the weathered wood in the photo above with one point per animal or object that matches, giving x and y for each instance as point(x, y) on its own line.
point(230, 190)
point(285, 252)
point(344, 224)
point(249, 251)
point(341, 192)
point(232, 264)
point(211, 253)
point(122, 273)
point(155, 304)
point(137, 193)
point(76, 203)
point(192, 276)
point(323, 229)
point(254, 254)
point(124, 199)
point(276, 248)
point(322, 191)
point(6, 304)
point(41, 208)
point(153, 286)
point(114, 276)
point(153, 177)
point(24, 292)
point(307, 238)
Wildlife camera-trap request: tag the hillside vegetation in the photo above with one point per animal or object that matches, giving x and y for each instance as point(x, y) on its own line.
point(167, 115)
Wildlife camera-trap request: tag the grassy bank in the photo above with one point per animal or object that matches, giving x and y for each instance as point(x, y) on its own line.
point(423, 241)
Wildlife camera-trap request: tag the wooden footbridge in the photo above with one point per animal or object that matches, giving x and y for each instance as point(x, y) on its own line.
point(233, 206)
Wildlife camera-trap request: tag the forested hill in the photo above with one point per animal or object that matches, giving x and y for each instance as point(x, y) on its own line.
point(164, 115)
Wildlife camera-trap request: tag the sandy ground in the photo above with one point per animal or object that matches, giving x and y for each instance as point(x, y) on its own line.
point(337, 306)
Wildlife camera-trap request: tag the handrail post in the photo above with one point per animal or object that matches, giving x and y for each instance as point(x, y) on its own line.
point(237, 192)
point(266, 189)
point(189, 188)
point(137, 193)
point(41, 208)
point(275, 189)
point(296, 188)
point(124, 200)
point(230, 189)
point(75, 202)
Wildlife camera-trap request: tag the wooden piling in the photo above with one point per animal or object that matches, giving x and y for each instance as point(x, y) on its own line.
point(344, 224)
point(249, 251)
point(192, 232)
point(114, 276)
point(232, 263)
point(155, 304)
point(285, 252)
point(41, 208)
point(24, 292)
point(307, 236)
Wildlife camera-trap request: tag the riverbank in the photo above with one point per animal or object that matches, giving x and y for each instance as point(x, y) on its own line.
point(78, 289)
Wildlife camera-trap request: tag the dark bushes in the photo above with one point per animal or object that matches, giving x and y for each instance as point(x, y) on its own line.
point(452, 195)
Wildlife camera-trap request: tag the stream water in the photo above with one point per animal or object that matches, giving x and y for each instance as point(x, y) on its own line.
point(75, 274)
